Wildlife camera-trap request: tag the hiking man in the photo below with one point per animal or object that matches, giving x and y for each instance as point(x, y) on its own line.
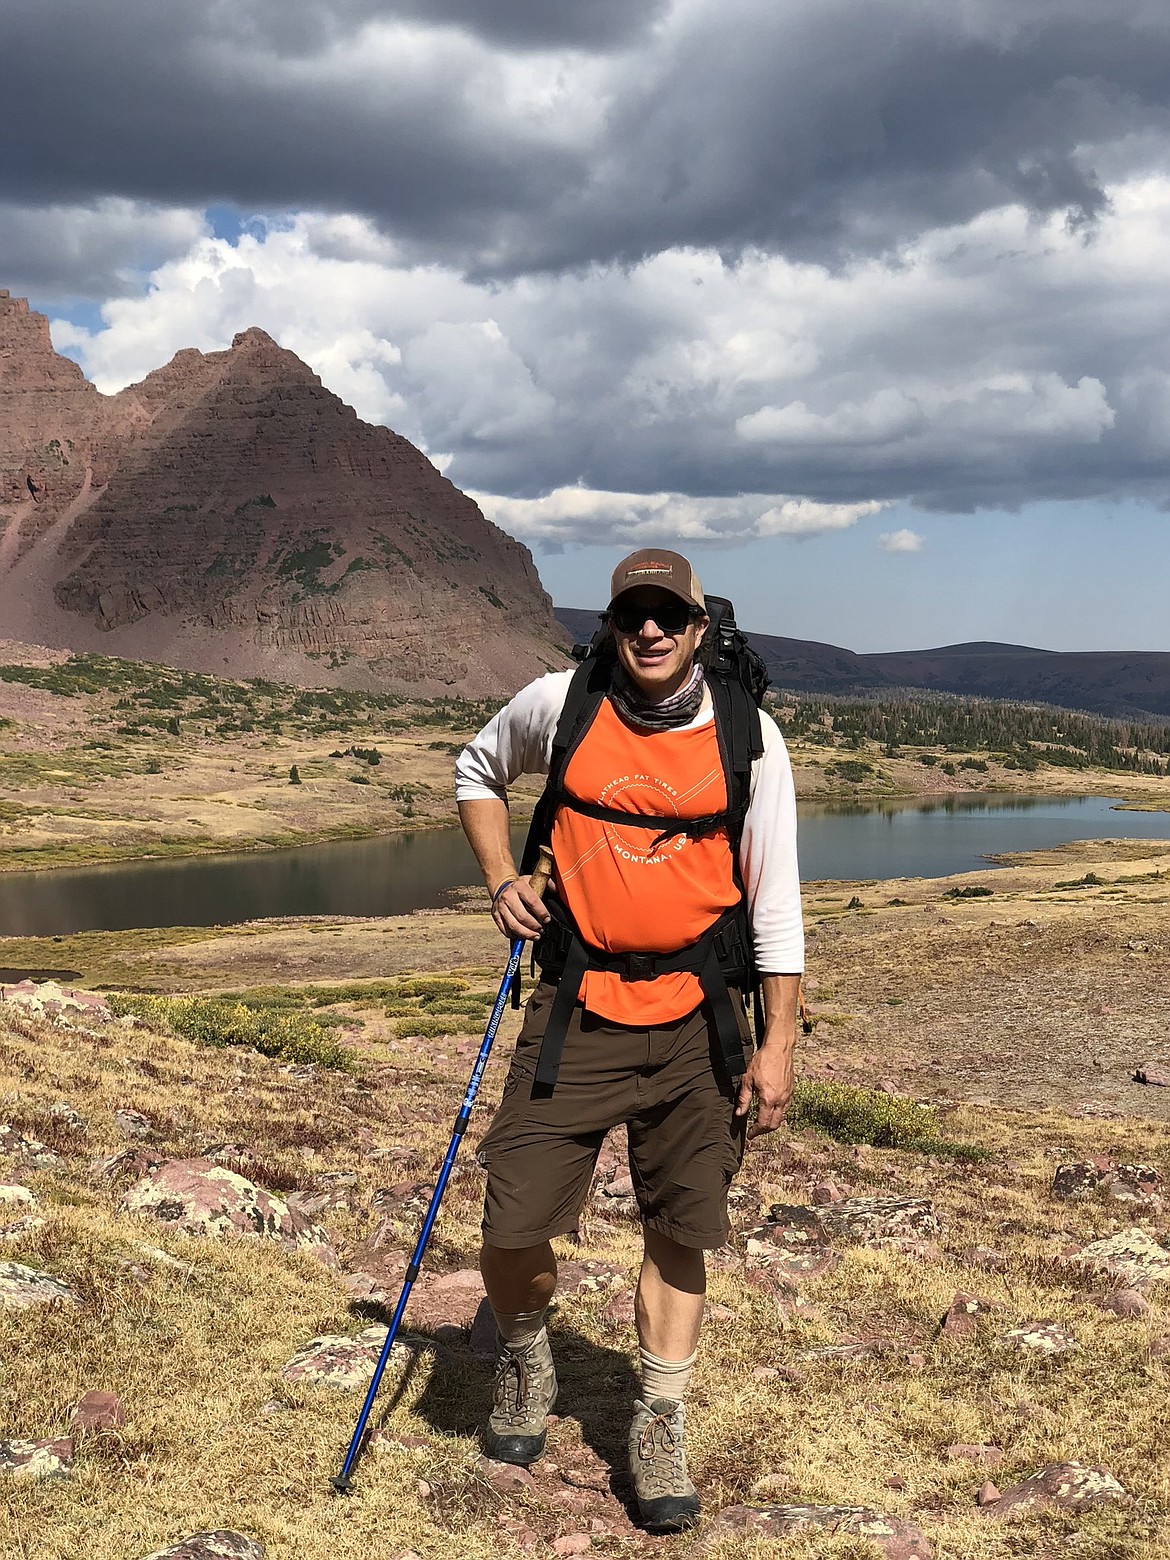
point(649, 927)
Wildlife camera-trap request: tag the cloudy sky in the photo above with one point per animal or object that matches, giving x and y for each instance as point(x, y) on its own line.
point(863, 302)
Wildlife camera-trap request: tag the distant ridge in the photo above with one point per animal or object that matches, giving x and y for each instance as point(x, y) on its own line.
point(1123, 684)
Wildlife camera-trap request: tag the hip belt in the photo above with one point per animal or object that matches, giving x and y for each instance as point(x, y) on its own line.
point(721, 958)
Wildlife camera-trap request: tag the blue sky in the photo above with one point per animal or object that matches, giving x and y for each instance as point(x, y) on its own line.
point(863, 304)
point(1067, 576)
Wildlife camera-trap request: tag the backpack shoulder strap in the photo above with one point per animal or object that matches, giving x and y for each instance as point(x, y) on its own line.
point(589, 685)
point(741, 742)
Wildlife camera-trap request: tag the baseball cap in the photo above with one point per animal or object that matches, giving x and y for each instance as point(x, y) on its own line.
point(669, 571)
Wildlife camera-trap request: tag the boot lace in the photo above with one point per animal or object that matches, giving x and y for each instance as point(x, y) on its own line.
point(516, 1387)
point(661, 1454)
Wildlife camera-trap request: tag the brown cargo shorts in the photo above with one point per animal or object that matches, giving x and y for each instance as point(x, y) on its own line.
point(666, 1084)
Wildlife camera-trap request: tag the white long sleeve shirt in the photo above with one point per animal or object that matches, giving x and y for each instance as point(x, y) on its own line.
point(518, 741)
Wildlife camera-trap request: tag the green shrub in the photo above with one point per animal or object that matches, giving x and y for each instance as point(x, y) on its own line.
point(969, 891)
point(429, 986)
point(292, 1036)
point(426, 1027)
point(854, 1115)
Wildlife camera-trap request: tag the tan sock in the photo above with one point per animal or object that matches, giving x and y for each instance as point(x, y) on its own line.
point(664, 1378)
point(519, 1329)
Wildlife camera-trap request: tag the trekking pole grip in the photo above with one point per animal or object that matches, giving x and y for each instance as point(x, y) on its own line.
point(543, 873)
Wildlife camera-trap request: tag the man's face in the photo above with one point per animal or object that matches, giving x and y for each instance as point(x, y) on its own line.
point(658, 662)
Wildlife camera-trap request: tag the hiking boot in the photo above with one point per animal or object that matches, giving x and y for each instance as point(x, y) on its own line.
point(667, 1499)
point(523, 1395)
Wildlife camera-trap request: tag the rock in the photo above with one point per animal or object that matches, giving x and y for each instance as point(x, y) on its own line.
point(16, 1197)
point(337, 1360)
point(506, 1478)
point(1152, 1073)
point(64, 1003)
point(133, 1124)
point(19, 1228)
point(202, 1198)
point(987, 1456)
point(448, 1300)
point(98, 1410)
point(985, 1257)
point(854, 1350)
point(1122, 1183)
point(620, 1309)
point(23, 1287)
point(62, 1111)
point(572, 1544)
point(791, 1246)
point(871, 1220)
point(960, 1324)
point(590, 1278)
point(222, 1544)
point(36, 1459)
point(1131, 1257)
point(1126, 1303)
point(29, 1153)
point(895, 1538)
point(129, 1163)
point(825, 1193)
point(1159, 1348)
point(1066, 1486)
point(988, 1495)
point(1040, 1338)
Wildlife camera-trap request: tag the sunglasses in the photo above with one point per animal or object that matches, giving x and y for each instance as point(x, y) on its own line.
point(672, 617)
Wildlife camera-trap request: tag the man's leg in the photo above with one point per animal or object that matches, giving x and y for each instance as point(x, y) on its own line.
point(668, 1313)
point(519, 1285)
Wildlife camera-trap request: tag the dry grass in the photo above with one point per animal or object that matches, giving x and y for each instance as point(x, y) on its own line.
point(195, 1351)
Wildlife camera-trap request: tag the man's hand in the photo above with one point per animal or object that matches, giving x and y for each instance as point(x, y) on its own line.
point(771, 1078)
point(519, 911)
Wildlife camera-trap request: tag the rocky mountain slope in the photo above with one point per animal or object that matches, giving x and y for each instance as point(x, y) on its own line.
point(1119, 683)
point(230, 512)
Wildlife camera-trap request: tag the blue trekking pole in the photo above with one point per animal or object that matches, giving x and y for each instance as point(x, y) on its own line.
point(343, 1481)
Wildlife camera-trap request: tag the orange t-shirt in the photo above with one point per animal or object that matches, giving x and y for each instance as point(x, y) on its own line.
point(622, 898)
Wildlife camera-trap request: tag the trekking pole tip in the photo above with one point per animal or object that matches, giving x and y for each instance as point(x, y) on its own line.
point(340, 1484)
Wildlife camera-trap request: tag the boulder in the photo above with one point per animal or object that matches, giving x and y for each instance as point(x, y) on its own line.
point(203, 1198)
point(23, 1287)
point(869, 1221)
point(1152, 1073)
point(36, 1459)
point(50, 1000)
point(16, 1197)
point(791, 1246)
point(222, 1544)
point(336, 1360)
point(1066, 1486)
point(1131, 1257)
point(1102, 1177)
point(895, 1538)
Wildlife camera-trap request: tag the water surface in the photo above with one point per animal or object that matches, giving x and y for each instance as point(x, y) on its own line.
point(914, 837)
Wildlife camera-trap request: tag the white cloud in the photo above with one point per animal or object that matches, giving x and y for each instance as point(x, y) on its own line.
point(579, 514)
point(903, 541)
point(990, 363)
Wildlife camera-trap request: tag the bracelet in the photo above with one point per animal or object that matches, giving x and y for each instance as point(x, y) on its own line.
point(501, 889)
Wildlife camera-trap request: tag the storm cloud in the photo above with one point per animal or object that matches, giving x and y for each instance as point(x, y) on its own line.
point(721, 268)
point(506, 136)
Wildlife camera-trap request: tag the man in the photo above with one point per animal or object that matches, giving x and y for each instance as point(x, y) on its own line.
point(640, 1026)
